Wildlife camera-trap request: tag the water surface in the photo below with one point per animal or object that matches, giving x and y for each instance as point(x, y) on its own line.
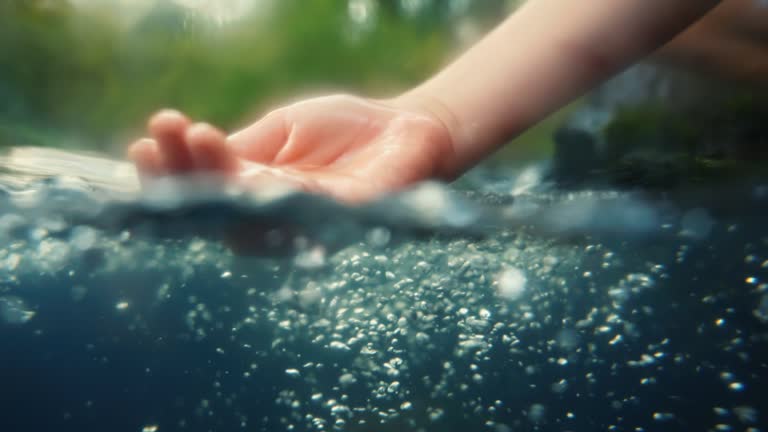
point(499, 303)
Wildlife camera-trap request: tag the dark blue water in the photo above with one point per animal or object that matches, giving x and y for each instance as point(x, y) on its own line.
point(498, 305)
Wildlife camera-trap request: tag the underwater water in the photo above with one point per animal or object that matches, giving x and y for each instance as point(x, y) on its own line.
point(496, 304)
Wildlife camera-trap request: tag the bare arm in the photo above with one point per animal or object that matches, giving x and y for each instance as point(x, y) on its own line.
point(543, 56)
point(355, 149)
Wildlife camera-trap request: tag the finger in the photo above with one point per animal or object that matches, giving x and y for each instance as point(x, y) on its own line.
point(169, 129)
point(262, 141)
point(145, 155)
point(209, 149)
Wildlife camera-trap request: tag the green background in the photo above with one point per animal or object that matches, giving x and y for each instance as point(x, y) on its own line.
point(86, 74)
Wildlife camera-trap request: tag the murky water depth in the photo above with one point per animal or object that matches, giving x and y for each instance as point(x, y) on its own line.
point(626, 314)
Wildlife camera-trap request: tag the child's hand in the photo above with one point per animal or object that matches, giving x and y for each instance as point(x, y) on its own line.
point(350, 148)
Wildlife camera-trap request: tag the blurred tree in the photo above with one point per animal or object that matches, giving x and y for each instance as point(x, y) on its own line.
point(78, 76)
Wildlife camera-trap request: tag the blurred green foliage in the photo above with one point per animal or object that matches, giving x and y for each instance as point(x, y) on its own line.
point(82, 77)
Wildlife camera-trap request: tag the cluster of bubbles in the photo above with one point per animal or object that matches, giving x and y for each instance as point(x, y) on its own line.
point(504, 332)
point(510, 330)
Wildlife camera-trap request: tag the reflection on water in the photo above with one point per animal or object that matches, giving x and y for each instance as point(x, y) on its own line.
point(469, 308)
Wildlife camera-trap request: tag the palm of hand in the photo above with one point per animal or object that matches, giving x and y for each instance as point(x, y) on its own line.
point(350, 148)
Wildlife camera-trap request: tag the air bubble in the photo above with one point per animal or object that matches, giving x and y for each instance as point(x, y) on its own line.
point(511, 284)
point(14, 310)
point(560, 386)
point(536, 413)
point(347, 380)
point(339, 346)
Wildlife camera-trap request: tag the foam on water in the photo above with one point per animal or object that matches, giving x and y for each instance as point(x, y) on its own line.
point(88, 190)
point(442, 309)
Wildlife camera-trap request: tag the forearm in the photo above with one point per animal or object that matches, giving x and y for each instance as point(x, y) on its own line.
point(543, 56)
point(729, 43)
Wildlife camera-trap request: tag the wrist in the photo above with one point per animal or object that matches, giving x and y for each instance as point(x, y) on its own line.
point(421, 103)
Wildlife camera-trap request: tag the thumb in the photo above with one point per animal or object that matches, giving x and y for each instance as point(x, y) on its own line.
point(261, 141)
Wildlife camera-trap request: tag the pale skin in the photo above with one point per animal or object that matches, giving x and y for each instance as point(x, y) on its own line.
point(356, 149)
